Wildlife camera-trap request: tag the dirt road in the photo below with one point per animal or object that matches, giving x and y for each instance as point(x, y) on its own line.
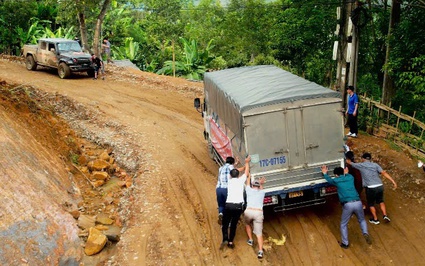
point(173, 217)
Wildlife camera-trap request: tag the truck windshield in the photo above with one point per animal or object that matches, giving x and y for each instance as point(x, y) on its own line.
point(69, 47)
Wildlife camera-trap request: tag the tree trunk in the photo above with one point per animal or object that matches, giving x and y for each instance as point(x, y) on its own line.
point(388, 88)
point(83, 32)
point(98, 29)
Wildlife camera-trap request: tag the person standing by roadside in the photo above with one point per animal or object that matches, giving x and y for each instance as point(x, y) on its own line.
point(234, 204)
point(352, 111)
point(221, 187)
point(373, 184)
point(106, 46)
point(254, 212)
point(350, 202)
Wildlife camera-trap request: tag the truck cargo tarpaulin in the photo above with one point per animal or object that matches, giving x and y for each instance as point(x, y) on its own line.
point(220, 141)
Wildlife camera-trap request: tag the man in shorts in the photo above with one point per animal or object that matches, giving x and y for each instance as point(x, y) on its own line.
point(373, 184)
point(254, 212)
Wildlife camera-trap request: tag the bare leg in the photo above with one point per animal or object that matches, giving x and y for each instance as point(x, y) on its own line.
point(373, 211)
point(248, 231)
point(260, 242)
point(383, 208)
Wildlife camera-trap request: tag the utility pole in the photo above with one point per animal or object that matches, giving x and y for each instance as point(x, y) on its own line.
point(342, 52)
point(357, 18)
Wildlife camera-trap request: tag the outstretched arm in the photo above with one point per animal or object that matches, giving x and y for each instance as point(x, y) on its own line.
point(326, 176)
point(247, 160)
point(387, 176)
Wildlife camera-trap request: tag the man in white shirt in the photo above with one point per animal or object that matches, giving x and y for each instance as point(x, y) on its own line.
point(221, 187)
point(234, 204)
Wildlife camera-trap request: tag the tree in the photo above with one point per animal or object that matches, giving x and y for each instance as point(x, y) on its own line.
point(12, 26)
point(388, 88)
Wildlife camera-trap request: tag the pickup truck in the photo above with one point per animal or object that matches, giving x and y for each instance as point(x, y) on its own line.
point(288, 125)
point(62, 54)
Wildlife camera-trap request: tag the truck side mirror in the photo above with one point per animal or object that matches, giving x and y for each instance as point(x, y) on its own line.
point(197, 103)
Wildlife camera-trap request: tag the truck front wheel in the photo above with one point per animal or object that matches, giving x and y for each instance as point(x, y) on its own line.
point(31, 64)
point(64, 71)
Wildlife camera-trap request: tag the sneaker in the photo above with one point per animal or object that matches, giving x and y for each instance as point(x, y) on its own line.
point(260, 254)
point(250, 242)
point(420, 164)
point(354, 135)
point(223, 244)
point(372, 221)
point(231, 245)
point(349, 134)
point(368, 239)
point(220, 218)
point(344, 246)
point(387, 219)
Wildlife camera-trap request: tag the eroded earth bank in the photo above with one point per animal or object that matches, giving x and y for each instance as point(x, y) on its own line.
point(163, 192)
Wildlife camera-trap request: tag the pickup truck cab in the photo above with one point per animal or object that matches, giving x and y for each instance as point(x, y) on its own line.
point(62, 54)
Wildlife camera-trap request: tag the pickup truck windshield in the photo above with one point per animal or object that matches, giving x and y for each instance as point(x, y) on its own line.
point(69, 47)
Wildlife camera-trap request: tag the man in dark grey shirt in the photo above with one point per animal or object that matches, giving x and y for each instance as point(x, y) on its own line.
point(373, 184)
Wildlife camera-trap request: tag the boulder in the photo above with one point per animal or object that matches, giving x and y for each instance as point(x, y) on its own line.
point(103, 218)
point(99, 175)
point(113, 233)
point(98, 165)
point(95, 242)
point(86, 221)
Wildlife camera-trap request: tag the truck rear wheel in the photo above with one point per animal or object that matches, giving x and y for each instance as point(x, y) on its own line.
point(64, 71)
point(30, 63)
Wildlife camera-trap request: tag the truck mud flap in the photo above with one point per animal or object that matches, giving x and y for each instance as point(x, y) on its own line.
point(299, 205)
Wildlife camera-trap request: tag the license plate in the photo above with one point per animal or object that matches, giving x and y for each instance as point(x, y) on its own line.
point(295, 194)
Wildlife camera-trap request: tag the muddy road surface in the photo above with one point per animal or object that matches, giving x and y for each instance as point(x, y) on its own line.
point(173, 216)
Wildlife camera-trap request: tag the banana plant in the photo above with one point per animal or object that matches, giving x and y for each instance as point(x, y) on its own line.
point(194, 64)
point(130, 50)
point(59, 33)
point(30, 36)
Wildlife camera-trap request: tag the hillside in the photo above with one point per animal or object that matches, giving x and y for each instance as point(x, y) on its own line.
point(168, 212)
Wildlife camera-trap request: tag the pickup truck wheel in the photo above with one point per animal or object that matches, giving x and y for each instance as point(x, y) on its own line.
point(64, 71)
point(30, 63)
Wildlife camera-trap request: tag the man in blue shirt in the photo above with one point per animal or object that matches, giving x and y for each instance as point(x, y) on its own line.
point(350, 202)
point(352, 112)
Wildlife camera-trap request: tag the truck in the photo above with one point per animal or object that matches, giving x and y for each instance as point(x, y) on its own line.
point(62, 54)
point(288, 125)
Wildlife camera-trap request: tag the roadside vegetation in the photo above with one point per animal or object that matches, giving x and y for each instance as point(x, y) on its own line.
point(186, 38)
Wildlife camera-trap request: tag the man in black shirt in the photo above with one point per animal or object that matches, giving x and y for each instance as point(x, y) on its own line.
point(98, 65)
